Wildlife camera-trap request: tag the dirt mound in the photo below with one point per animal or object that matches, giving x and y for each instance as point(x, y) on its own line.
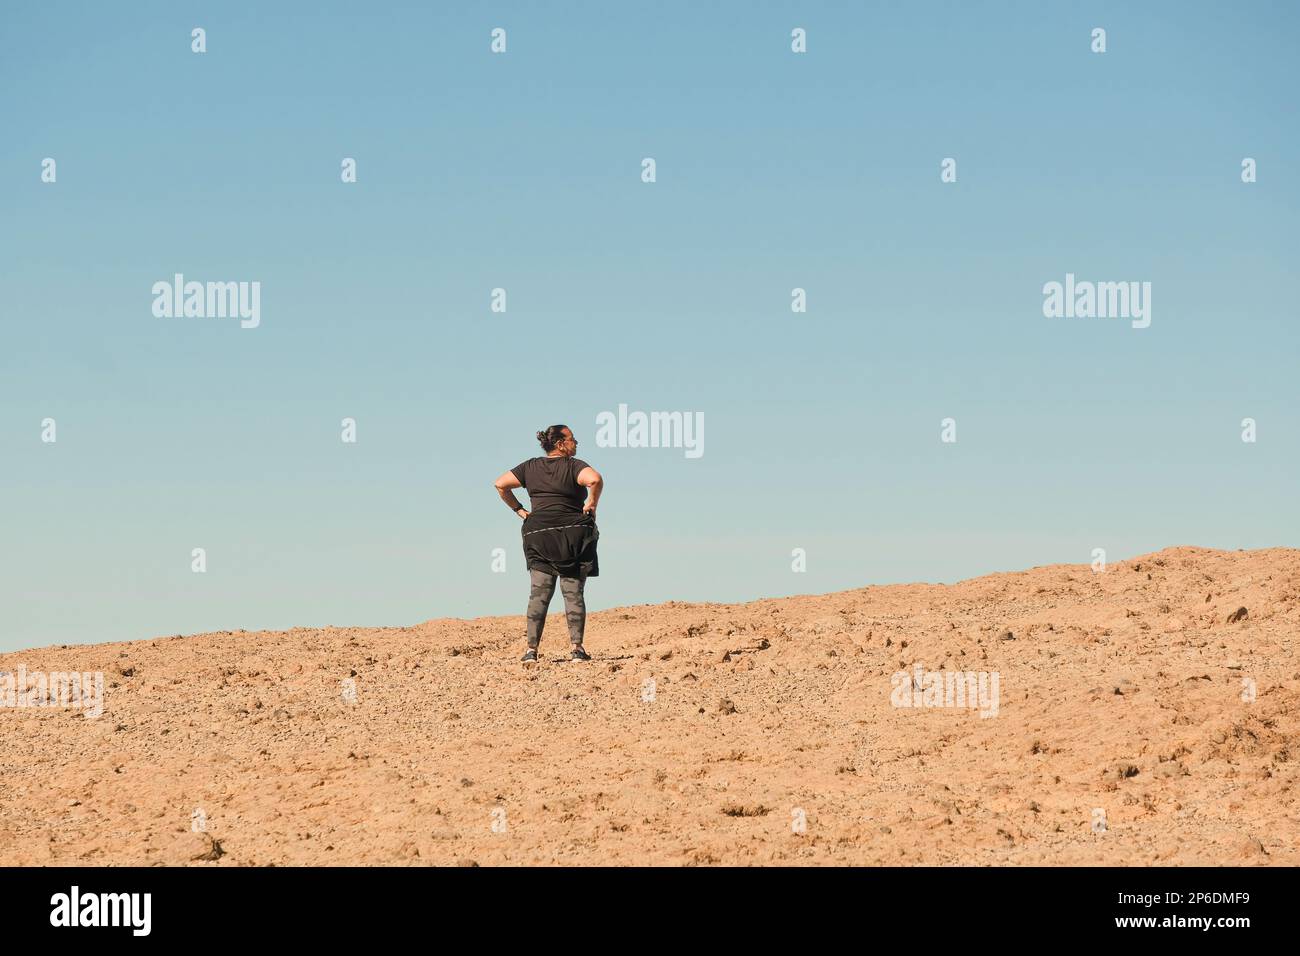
point(1048, 716)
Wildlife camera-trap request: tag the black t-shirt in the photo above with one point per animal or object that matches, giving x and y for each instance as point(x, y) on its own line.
point(552, 483)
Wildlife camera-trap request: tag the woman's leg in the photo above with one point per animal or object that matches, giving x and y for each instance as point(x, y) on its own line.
point(575, 607)
point(539, 599)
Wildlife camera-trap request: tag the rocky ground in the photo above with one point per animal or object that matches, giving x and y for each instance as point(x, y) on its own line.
point(1142, 717)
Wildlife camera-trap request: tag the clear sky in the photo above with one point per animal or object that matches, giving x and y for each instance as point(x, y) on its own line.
point(522, 170)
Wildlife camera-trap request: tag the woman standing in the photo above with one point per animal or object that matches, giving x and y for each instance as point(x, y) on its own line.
point(559, 531)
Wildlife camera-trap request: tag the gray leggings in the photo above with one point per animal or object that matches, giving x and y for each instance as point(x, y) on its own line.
point(539, 599)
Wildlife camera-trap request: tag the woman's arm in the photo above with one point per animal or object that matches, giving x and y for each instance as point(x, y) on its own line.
point(505, 486)
point(590, 479)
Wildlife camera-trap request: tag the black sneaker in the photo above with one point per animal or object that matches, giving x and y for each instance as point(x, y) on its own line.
point(530, 656)
point(579, 654)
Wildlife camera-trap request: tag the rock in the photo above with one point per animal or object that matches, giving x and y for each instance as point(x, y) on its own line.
point(1246, 846)
point(725, 706)
point(1237, 615)
point(1006, 636)
point(205, 848)
point(1119, 771)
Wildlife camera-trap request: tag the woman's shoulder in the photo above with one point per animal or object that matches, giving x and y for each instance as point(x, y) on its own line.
point(524, 467)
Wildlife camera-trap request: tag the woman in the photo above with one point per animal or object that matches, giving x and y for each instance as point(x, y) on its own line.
point(559, 532)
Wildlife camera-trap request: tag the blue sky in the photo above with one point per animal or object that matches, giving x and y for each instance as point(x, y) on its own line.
point(775, 170)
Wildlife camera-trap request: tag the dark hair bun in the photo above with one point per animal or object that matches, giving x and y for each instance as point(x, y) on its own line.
point(550, 437)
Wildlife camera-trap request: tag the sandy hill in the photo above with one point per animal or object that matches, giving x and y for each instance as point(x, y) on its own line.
point(1126, 697)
